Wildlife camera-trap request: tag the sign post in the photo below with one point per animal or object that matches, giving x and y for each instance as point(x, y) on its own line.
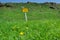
point(25, 10)
point(26, 17)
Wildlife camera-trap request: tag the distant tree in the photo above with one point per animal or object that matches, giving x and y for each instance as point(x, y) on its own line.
point(29, 2)
point(46, 3)
point(52, 4)
point(1, 5)
point(8, 5)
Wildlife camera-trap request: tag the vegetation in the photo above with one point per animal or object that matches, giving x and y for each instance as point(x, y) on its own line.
point(43, 22)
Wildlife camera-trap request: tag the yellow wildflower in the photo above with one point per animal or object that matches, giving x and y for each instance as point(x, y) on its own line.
point(21, 33)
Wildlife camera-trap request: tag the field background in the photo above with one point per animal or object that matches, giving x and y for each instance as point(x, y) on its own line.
point(43, 22)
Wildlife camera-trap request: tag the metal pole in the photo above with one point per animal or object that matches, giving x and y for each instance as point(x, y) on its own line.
point(26, 17)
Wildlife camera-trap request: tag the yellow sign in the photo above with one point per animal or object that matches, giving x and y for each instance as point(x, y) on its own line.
point(25, 9)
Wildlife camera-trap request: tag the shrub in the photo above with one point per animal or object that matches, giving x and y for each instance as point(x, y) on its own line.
point(1, 5)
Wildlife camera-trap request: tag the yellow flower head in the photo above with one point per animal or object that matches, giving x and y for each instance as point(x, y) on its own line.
point(21, 33)
point(25, 9)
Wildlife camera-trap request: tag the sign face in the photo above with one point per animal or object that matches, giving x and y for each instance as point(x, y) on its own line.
point(25, 9)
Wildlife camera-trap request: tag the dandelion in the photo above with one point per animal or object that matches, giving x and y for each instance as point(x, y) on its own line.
point(21, 33)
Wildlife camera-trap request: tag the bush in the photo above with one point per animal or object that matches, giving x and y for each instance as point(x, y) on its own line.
point(8, 5)
point(1, 5)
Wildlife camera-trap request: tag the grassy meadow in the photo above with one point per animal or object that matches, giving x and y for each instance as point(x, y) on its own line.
point(43, 23)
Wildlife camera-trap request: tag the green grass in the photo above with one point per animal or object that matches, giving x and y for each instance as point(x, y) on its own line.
point(37, 30)
point(43, 23)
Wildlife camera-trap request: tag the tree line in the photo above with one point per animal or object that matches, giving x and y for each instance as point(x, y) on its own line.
point(5, 5)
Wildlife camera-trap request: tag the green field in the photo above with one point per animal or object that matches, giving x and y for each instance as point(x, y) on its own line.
point(43, 23)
